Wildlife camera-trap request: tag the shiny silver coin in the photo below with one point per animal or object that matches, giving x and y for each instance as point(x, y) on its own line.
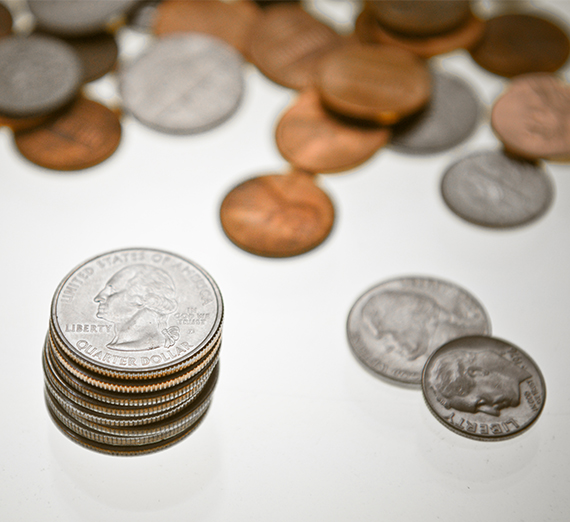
point(137, 310)
point(449, 119)
point(77, 17)
point(493, 189)
point(395, 326)
point(184, 84)
point(483, 388)
point(40, 74)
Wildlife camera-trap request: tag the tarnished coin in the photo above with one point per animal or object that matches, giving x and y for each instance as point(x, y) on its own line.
point(396, 325)
point(532, 118)
point(483, 388)
point(40, 74)
point(515, 44)
point(448, 119)
point(79, 137)
point(313, 139)
point(496, 190)
point(77, 17)
point(286, 44)
point(277, 215)
point(5, 21)
point(184, 84)
point(378, 83)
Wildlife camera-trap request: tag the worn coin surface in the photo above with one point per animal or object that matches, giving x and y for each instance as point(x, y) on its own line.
point(514, 44)
point(185, 83)
point(396, 325)
point(5, 21)
point(483, 388)
point(277, 215)
point(448, 119)
point(496, 190)
point(79, 137)
point(532, 118)
point(40, 74)
point(313, 139)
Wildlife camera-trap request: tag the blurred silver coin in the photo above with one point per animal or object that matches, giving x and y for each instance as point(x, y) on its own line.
point(493, 189)
point(76, 17)
point(39, 75)
point(449, 119)
point(483, 388)
point(395, 326)
point(184, 84)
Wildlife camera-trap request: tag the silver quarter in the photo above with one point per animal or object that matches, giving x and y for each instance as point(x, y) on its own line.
point(449, 119)
point(40, 74)
point(395, 326)
point(483, 388)
point(493, 189)
point(184, 84)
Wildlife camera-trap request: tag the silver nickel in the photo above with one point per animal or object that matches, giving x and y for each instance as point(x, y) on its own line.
point(483, 388)
point(495, 190)
point(136, 310)
point(39, 75)
point(184, 84)
point(396, 325)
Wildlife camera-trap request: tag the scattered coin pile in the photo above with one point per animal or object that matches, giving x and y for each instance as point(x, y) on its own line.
point(131, 356)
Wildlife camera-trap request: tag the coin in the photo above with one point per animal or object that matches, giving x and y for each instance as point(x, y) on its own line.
point(483, 388)
point(531, 117)
point(396, 325)
point(515, 44)
point(378, 83)
point(496, 190)
point(313, 139)
point(5, 21)
point(183, 84)
point(277, 215)
point(40, 74)
point(448, 119)
point(82, 136)
point(286, 43)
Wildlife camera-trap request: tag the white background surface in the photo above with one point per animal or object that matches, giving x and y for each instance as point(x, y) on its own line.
point(298, 429)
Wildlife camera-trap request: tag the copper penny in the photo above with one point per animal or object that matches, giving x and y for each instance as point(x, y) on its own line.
point(277, 215)
point(420, 17)
point(378, 83)
point(286, 43)
point(532, 118)
point(5, 21)
point(82, 136)
point(311, 138)
point(465, 36)
point(514, 44)
point(230, 22)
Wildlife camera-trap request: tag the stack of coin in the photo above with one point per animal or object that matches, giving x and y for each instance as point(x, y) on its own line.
point(130, 359)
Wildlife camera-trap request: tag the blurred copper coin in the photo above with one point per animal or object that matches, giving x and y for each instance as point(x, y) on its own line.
point(230, 22)
point(464, 37)
point(5, 21)
point(420, 17)
point(312, 139)
point(286, 43)
point(82, 136)
point(378, 83)
point(277, 215)
point(514, 44)
point(532, 118)
point(18, 124)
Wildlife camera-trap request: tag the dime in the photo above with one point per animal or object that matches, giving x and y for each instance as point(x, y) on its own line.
point(483, 388)
point(448, 119)
point(5, 21)
point(184, 84)
point(40, 74)
point(494, 189)
point(313, 139)
point(396, 325)
point(277, 215)
point(82, 136)
point(515, 44)
point(532, 117)
point(378, 83)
